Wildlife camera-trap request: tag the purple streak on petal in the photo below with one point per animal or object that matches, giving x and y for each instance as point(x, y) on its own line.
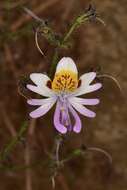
point(65, 120)
point(83, 110)
point(77, 126)
point(65, 117)
point(84, 101)
point(42, 110)
point(57, 122)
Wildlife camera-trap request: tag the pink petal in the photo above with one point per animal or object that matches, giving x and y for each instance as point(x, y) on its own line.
point(42, 110)
point(38, 102)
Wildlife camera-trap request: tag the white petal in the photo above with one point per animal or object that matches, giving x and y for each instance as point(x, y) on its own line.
point(92, 88)
point(83, 110)
point(42, 110)
point(85, 86)
point(39, 79)
point(66, 63)
point(87, 78)
point(87, 89)
point(43, 90)
point(84, 101)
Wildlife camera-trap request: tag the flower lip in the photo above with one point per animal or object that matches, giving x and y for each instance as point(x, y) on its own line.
point(66, 76)
point(65, 80)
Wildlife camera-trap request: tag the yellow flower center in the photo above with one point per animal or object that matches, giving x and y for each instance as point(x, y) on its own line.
point(65, 80)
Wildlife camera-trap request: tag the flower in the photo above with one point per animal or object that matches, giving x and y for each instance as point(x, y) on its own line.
point(63, 91)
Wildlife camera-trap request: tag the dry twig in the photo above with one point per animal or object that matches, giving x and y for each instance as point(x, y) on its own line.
point(10, 60)
point(27, 154)
point(7, 121)
point(68, 9)
point(63, 182)
point(42, 7)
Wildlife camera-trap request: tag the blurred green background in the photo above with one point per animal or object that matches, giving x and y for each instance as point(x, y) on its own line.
point(94, 47)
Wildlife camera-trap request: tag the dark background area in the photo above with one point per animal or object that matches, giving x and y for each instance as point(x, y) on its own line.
point(94, 46)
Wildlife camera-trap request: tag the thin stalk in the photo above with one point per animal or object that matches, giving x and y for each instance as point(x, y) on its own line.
point(101, 151)
point(57, 151)
point(112, 78)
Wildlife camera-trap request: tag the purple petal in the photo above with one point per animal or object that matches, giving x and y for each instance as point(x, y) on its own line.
point(77, 127)
point(57, 122)
point(83, 110)
point(43, 109)
point(84, 101)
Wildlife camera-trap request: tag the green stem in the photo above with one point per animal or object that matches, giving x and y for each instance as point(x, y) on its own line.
point(24, 167)
point(72, 28)
point(74, 154)
point(79, 20)
point(9, 147)
point(54, 63)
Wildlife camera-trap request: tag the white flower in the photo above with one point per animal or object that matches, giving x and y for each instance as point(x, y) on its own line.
point(63, 91)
